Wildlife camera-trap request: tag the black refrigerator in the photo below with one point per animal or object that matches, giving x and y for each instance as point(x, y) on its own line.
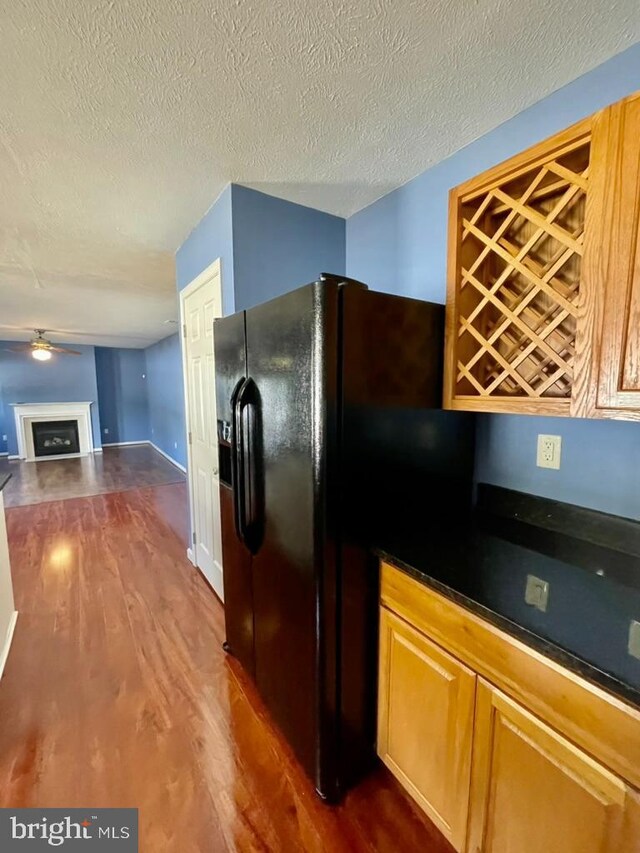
point(331, 441)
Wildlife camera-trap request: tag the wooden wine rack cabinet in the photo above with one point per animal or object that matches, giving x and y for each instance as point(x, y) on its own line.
point(516, 240)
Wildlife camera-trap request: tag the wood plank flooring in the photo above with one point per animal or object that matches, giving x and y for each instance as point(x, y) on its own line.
point(117, 693)
point(113, 470)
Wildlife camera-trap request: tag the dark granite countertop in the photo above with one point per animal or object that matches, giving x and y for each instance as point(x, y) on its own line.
point(4, 479)
point(590, 560)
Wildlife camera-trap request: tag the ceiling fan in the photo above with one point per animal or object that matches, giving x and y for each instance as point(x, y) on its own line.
point(40, 348)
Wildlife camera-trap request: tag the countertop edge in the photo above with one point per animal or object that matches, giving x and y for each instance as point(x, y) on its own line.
point(556, 653)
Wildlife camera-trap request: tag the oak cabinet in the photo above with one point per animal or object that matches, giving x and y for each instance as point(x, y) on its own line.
point(425, 722)
point(543, 294)
point(535, 791)
point(504, 750)
point(608, 345)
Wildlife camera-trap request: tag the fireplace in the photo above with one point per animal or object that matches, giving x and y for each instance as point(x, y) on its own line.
point(51, 438)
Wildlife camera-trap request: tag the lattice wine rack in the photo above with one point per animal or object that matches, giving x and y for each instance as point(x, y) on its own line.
point(516, 246)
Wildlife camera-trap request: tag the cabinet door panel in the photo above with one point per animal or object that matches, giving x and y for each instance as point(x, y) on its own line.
point(425, 721)
point(612, 260)
point(534, 791)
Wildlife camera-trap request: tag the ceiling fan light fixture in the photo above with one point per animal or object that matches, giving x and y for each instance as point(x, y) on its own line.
point(41, 354)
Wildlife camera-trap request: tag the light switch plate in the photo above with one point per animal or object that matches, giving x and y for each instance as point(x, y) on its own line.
point(549, 450)
point(537, 593)
point(634, 639)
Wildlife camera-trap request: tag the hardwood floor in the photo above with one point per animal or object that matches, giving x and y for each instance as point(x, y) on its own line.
point(113, 470)
point(117, 693)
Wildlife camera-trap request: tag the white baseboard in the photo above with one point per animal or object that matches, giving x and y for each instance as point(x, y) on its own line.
point(191, 556)
point(6, 453)
point(50, 458)
point(4, 654)
point(123, 443)
point(13, 456)
point(170, 458)
point(155, 447)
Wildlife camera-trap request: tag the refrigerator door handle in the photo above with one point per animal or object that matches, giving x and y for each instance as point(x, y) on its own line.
point(236, 471)
point(247, 417)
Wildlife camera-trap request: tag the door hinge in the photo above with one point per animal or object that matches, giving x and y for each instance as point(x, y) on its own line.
point(193, 537)
point(189, 438)
point(184, 330)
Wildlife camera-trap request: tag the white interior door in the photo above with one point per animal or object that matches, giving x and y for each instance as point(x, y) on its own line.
point(201, 302)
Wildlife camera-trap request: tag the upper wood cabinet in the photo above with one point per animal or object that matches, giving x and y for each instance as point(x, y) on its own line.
point(608, 344)
point(538, 247)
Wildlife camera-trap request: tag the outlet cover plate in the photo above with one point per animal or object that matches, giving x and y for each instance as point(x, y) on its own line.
point(634, 639)
point(537, 593)
point(549, 450)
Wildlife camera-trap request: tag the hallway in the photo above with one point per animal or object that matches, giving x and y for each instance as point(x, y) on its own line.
point(117, 693)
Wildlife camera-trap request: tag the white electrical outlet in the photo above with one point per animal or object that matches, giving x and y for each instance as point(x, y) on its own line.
point(106, 430)
point(175, 444)
point(4, 437)
point(549, 450)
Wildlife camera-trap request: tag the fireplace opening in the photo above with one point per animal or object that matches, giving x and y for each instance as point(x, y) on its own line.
point(53, 437)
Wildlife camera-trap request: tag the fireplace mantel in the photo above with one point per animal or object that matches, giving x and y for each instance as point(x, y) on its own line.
point(26, 413)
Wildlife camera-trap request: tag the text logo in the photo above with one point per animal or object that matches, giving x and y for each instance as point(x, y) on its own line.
point(37, 830)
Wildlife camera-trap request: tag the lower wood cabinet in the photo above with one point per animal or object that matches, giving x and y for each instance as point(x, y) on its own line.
point(425, 723)
point(494, 775)
point(533, 790)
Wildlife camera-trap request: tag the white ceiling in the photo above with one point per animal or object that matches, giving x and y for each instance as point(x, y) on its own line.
point(122, 120)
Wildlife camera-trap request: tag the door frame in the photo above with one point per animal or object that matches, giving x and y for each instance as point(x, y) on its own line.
point(206, 275)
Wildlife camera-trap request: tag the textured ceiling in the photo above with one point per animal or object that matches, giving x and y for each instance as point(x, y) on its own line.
point(121, 121)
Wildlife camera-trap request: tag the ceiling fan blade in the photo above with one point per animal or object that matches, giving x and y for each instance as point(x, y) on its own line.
point(19, 348)
point(64, 350)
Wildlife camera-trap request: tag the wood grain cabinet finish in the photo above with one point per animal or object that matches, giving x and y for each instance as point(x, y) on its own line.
point(534, 791)
point(505, 750)
point(608, 343)
point(425, 722)
point(543, 295)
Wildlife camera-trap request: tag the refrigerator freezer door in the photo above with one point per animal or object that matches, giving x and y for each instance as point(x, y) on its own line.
point(292, 358)
point(238, 595)
point(230, 354)
point(231, 366)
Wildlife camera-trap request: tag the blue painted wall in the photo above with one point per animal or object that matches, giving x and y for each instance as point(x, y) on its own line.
point(600, 460)
point(278, 245)
point(122, 394)
point(212, 238)
point(63, 379)
point(131, 407)
point(267, 246)
point(165, 392)
point(399, 244)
